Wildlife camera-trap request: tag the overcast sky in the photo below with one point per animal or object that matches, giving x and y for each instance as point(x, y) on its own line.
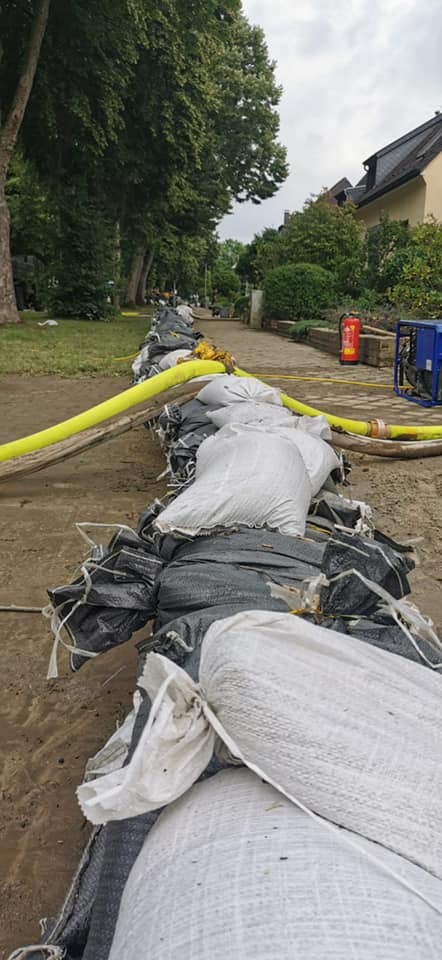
point(356, 74)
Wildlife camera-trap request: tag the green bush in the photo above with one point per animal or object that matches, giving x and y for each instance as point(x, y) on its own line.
point(225, 283)
point(419, 287)
point(298, 291)
point(300, 329)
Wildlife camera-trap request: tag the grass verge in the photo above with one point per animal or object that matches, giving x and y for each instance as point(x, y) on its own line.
point(74, 348)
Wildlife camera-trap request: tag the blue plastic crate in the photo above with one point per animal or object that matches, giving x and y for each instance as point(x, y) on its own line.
point(418, 362)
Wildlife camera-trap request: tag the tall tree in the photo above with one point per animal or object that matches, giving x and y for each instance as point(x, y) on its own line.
point(8, 138)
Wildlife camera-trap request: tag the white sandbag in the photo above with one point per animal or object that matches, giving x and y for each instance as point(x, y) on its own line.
point(185, 311)
point(319, 457)
point(250, 411)
point(349, 730)
point(233, 870)
point(242, 477)
point(352, 731)
point(226, 388)
point(170, 359)
point(142, 357)
point(317, 426)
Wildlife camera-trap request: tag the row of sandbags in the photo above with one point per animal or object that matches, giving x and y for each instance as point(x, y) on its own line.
point(259, 499)
point(346, 735)
point(312, 705)
point(171, 336)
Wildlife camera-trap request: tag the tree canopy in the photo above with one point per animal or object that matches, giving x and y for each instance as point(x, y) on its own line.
point(145, 122)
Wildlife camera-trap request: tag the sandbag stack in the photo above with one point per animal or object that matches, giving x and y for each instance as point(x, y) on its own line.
point(281, 642)
point(171, 337)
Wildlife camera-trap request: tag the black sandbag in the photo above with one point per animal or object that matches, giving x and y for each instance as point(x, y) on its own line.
point(339, 510)
point(283, 559)
point(178, 420)
point(388, 636)
point(169, 342)
point(169, 422)
point(194, 417)
point(376, 562)
point(182, 591)
point(114, 597)
point(183, 451)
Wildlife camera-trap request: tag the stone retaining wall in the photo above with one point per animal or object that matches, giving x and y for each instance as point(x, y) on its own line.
point(375, 351)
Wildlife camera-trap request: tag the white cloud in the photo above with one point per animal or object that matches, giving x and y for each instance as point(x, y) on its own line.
point(356, 74)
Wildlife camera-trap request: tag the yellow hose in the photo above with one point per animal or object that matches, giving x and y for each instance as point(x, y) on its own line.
point(182, 374)
point(109, 408)
point(372, 428)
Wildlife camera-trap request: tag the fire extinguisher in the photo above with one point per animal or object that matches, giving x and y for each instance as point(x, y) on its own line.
point(349, 338)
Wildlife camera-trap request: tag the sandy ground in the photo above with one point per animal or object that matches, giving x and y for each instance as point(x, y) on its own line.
point(49, 729)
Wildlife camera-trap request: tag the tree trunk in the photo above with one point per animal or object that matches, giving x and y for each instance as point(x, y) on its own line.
point(117, 267)
point(134, 279)
point(8, 306)
point(147, 266)
point(8, 140)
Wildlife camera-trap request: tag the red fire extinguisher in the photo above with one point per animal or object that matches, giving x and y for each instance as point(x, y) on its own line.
point(349, 338)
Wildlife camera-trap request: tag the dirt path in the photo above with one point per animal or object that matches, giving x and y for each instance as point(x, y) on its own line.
point(48, 730)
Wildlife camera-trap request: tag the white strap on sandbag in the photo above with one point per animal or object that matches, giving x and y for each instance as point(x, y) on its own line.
point(406, 615)
point(58, 625)
point(306, 599)
point(173, 752)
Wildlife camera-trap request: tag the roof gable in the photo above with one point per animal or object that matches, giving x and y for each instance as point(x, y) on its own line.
point(401, 160)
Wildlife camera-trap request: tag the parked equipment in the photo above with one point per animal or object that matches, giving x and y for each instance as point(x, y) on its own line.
point(349, 338)
point(418, 360)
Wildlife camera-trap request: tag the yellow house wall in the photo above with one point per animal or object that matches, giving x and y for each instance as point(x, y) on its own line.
point(405, 203)
point(433, 195)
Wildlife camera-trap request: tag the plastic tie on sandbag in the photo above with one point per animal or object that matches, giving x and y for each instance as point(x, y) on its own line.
point(307, 596)
point(58, 625)
point(84, 525)
point(49, 951)
point(177, 745)
point(407, 616)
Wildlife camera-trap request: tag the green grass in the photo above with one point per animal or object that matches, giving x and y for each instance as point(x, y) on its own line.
point(75, 348)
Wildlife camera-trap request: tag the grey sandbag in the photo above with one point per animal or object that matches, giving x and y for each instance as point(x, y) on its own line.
point(377, 562)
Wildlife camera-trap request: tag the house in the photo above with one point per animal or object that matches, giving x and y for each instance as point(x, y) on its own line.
point(403, 179)
point(337, 194)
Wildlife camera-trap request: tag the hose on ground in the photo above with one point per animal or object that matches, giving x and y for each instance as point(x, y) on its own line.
point(397, 449)
point(182, 374)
